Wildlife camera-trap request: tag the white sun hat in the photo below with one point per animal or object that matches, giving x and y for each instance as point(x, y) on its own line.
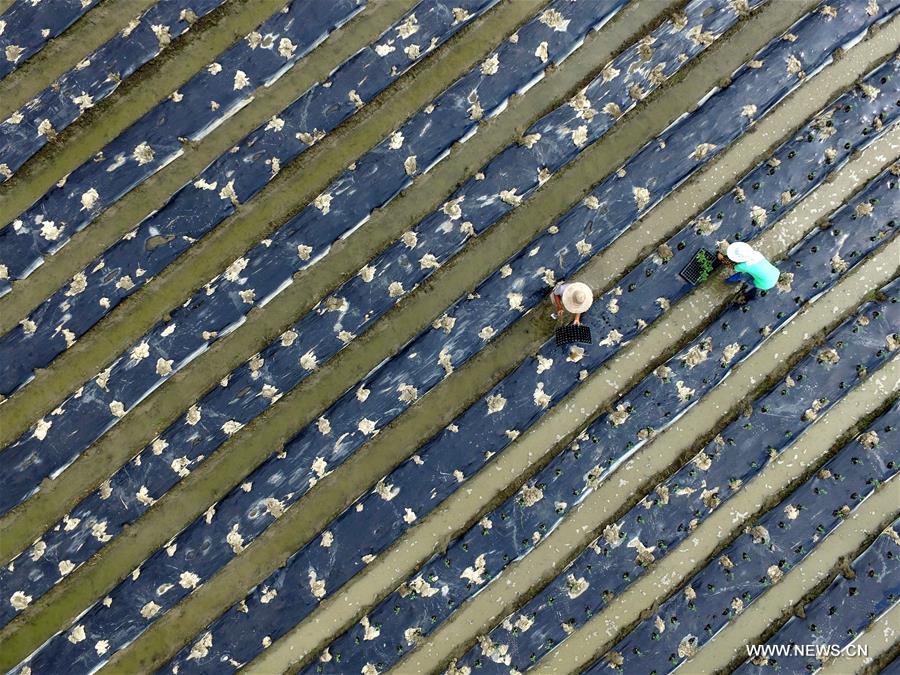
point(742, 252)
point(577, 297)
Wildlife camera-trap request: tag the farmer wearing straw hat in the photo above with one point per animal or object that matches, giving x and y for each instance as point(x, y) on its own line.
point(575, 297)
point(748, 262)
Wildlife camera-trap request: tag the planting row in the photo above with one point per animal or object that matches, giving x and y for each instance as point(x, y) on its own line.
point(512, 530)
point(854, 600)
point(37, 122)
point(668, 514)
point(758, 559)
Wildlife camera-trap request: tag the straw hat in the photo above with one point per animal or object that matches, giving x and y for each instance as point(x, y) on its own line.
point(577, 297)
point(741, 252)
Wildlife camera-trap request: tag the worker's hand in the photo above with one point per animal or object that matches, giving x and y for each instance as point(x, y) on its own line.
point(577, 321)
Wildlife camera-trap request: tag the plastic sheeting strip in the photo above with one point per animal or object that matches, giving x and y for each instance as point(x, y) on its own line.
point(27, 26)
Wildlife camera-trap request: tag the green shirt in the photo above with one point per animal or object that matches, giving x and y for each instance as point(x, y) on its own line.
point(765, 274)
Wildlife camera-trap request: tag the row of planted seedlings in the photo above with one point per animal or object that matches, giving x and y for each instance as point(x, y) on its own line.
point(238, 535)
point(38, 122)
point(865, 590)
point(669, 513)
point(200, 206)
point(779, 540)
point(555, 613)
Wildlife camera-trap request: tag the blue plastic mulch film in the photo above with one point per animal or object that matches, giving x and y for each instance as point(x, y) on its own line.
point(157, 469)
point(267, 268)
point(206, 100)
point(677, 506)
point(513, 529)
point(171, 344)
point(849, 605)
point(758, 559)
point(27, 26)
point(36, 123)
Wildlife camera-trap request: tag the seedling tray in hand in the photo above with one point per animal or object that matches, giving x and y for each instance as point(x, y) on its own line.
point(701, 266)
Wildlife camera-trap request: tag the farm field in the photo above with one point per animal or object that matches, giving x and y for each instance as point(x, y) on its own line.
point(279, 386)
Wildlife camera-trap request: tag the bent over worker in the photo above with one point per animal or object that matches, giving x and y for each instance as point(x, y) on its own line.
point(575, 297)
point(750, 265)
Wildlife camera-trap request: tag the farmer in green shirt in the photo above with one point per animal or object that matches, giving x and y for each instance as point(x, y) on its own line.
point(748, 262)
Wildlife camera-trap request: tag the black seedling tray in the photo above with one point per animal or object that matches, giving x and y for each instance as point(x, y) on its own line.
point(566, 335)
point(701, 266)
